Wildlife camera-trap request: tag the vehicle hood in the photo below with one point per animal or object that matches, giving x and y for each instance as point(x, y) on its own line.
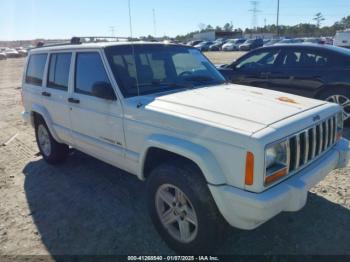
point(233, 107)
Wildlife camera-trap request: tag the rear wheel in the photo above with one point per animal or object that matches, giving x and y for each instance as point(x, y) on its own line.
point(183, 210)
point(52, 151)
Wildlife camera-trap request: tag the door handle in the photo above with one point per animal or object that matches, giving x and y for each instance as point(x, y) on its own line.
point(265, 74)
point(46, 94)
point(73, 100)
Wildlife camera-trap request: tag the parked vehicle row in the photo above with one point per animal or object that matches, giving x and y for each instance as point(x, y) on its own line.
point(228, 44)
point(12, 53)
point(242, 44)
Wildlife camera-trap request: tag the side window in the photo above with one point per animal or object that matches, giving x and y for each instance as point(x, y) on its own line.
point(186, 63)
point(59, 71)
point(305, 59)
point(89, 71)
point(35, 70)
point(265, 58)
point(292, 59)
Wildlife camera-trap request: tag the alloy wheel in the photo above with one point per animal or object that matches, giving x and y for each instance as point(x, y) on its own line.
point(176, 213)
point(44, 140)
point(343, 101)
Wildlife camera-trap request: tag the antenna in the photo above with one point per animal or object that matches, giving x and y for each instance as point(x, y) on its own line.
point(133, 54)
point(255, 10)
point(154, 23)
point(278, 18)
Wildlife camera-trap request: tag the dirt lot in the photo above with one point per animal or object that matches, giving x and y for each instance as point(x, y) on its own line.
point(88, 207)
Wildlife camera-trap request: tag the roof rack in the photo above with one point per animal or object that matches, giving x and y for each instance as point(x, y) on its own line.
point(99, 39)
point(88, 39)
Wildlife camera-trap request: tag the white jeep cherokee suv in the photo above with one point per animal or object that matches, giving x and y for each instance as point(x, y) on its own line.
point(211, 153)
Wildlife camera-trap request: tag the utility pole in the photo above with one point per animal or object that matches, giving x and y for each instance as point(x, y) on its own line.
point(112, 29)
point(154, 23)
point(255, 10)
point(278, 18)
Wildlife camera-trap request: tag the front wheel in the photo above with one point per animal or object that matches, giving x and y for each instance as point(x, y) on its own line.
point(342, 100)
point(183, 210)
point(341, 97)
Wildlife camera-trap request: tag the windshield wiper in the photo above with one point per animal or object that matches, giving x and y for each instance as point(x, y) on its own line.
point(174, 85)
point(199, 79)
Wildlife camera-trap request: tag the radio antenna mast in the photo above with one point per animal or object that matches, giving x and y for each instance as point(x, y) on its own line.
point(133, 53)
point(154, 23)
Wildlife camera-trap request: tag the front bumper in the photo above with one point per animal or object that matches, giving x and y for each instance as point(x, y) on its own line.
point(246, 210)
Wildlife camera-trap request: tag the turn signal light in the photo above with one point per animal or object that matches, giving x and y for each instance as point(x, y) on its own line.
point(275, 177)
point(249, 169)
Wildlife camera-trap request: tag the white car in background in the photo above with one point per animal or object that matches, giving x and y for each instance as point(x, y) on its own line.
point(22, 52)
point(233, 45)
point(12, 53)
point(342, 38)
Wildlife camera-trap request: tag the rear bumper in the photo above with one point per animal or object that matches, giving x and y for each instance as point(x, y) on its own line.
point(26, 117)
point(246, 210)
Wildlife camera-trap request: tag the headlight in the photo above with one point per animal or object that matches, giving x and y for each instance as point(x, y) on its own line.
point(276, 162)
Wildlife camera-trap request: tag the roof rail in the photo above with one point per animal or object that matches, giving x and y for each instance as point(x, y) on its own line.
point(42, 44)
point(99, 39)
point(88, 39)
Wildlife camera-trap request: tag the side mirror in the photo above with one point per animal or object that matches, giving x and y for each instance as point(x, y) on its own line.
point(104, 90)
point(233, 65)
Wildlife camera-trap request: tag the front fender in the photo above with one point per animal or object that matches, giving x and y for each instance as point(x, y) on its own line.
point(41, 110)
point(205, 160)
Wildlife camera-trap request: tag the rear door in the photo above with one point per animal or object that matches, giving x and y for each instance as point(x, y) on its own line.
point(55, 93)
point(302, 71)
point(34, 79)
point(96, 123)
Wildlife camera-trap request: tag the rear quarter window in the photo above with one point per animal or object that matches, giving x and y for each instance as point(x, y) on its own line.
point(35, 69)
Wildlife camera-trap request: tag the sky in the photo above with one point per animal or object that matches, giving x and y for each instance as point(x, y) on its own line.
point(58, 19)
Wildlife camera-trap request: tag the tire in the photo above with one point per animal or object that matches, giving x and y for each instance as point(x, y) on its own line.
point(53, 152)
point(339, 96)
point(200, 208)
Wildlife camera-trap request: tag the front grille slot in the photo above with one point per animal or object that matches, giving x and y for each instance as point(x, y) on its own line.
point(311, 143)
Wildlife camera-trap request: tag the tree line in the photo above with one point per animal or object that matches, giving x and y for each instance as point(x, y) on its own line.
point(300, 30)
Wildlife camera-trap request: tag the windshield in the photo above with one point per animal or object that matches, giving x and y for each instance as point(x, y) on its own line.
point(160, 68)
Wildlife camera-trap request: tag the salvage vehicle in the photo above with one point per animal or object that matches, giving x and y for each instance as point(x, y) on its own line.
point(251, 44)
point(212, 154)
point(233, 44)
point(3, 56)
point(314, 71)
point(11, 53)
point(342, 38)
point(204, 46)
point(217, 45)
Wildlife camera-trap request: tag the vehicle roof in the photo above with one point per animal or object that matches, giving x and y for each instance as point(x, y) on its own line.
point(331, 48)
point(99, 45)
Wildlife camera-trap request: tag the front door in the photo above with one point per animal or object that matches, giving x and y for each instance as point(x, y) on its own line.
point(254, 69)
point(97, 124)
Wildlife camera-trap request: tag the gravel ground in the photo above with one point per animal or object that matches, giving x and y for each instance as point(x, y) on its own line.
point(86, 207)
